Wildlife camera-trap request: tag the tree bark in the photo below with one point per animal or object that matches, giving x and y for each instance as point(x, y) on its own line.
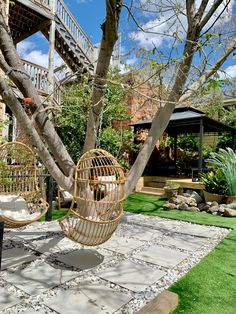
point(109, 38)
point(14, 68)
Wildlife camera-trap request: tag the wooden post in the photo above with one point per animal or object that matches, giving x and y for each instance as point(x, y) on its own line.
point(175, 152)
point(1, 240)
point(200, 155)
point(51, 53)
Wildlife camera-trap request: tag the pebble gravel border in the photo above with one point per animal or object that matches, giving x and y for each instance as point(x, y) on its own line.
point(139, 299)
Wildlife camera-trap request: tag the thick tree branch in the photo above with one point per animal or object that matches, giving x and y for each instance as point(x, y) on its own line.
point(210, 13)
point(26, 124)
point(208, 73)
point(109, 38)
point(13, 66)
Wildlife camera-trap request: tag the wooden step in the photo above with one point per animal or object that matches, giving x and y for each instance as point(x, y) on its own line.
point(151, 190)
point(155, 184)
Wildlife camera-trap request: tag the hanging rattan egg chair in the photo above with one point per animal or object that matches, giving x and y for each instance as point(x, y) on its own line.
point(21, 202)
point(97, 205)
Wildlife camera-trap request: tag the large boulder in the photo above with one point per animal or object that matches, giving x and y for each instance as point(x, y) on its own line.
point(229, 212)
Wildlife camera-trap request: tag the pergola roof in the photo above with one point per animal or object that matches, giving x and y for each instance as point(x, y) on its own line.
point(187, 120)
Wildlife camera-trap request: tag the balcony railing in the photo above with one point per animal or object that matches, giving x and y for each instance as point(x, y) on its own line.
point(39, 77)
point(74, 29)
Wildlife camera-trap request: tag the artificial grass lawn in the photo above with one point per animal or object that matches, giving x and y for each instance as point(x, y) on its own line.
point(210, 286)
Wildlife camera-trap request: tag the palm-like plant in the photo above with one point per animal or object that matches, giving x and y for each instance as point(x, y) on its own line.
point(225, 159)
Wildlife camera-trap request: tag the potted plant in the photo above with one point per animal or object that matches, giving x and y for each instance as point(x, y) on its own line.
point(225, 160)
point(171, 190)
point(215, 185)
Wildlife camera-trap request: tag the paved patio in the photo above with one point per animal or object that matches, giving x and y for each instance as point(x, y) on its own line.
point(44, 272)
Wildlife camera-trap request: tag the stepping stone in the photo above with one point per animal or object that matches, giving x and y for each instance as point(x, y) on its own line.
point(27, 235)
point(51, 244)
point(82, 258)
point(198, 230)
point(121, 244)
point(183, 241)
point(131, 275)
point(37, 278)
point(138, 232)
point(7, 299)
point(15, 257)
point(91, 298)
point(162, 256)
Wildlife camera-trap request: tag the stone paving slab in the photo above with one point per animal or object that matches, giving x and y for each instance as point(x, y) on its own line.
point(121, 244)
point(154, 222)
point(131, 275)
point(139, 232)
point(7, 299)
point(39, 277)
point(26, 235)
point(198, 230)
point(88, 298)
point(53, 243)
point(184, 241)
point(83, 258)
point(15, 257)
point(162, 256)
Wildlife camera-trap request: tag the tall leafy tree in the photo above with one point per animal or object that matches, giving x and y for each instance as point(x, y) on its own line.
point(196, 21)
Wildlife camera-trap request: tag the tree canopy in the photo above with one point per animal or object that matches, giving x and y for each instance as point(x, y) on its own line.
point(185, 47)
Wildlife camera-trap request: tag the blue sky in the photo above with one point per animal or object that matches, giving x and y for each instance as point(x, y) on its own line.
point(91, 13)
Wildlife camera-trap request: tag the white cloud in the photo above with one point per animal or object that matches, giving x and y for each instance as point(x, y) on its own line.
point(27, 50)
point(228, 73)
point(171, 19)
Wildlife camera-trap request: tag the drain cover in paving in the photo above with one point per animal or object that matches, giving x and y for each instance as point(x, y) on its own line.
point(82, 259)
point(161, 256)
point(133, 276)
point(37, 278)
point(90, 298)
point(7, 299)
point(14, 257)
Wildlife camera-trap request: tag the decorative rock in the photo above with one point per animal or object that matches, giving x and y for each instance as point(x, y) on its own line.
point(232, 205)
point(213, 209)
point(229, 212)
point(193, 209)
point(183, 206)
point(214, 203)
point(169, 206)
point(215, 213)
point(197, 197)
point(186, 194)
point(201, 205)
point(165, 302)
point(191, 201)
point(205, 208)
point(221, 209)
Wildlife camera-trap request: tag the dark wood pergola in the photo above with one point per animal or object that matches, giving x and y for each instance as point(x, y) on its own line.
point(186, 120)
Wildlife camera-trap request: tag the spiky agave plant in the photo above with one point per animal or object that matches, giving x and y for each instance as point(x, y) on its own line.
point(225, 159)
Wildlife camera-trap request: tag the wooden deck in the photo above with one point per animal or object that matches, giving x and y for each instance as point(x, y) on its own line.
point(160, 182)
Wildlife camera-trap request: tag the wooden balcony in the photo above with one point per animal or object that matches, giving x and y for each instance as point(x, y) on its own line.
point(39, 77)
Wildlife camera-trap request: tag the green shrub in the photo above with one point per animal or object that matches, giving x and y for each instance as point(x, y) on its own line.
point(225, 160)
point(215, 182)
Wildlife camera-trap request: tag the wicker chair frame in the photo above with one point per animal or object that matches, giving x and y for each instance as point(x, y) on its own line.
point(98, 196)
point(18, 177)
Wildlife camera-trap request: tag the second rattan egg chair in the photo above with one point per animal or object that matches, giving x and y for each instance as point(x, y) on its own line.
point(21, 202)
